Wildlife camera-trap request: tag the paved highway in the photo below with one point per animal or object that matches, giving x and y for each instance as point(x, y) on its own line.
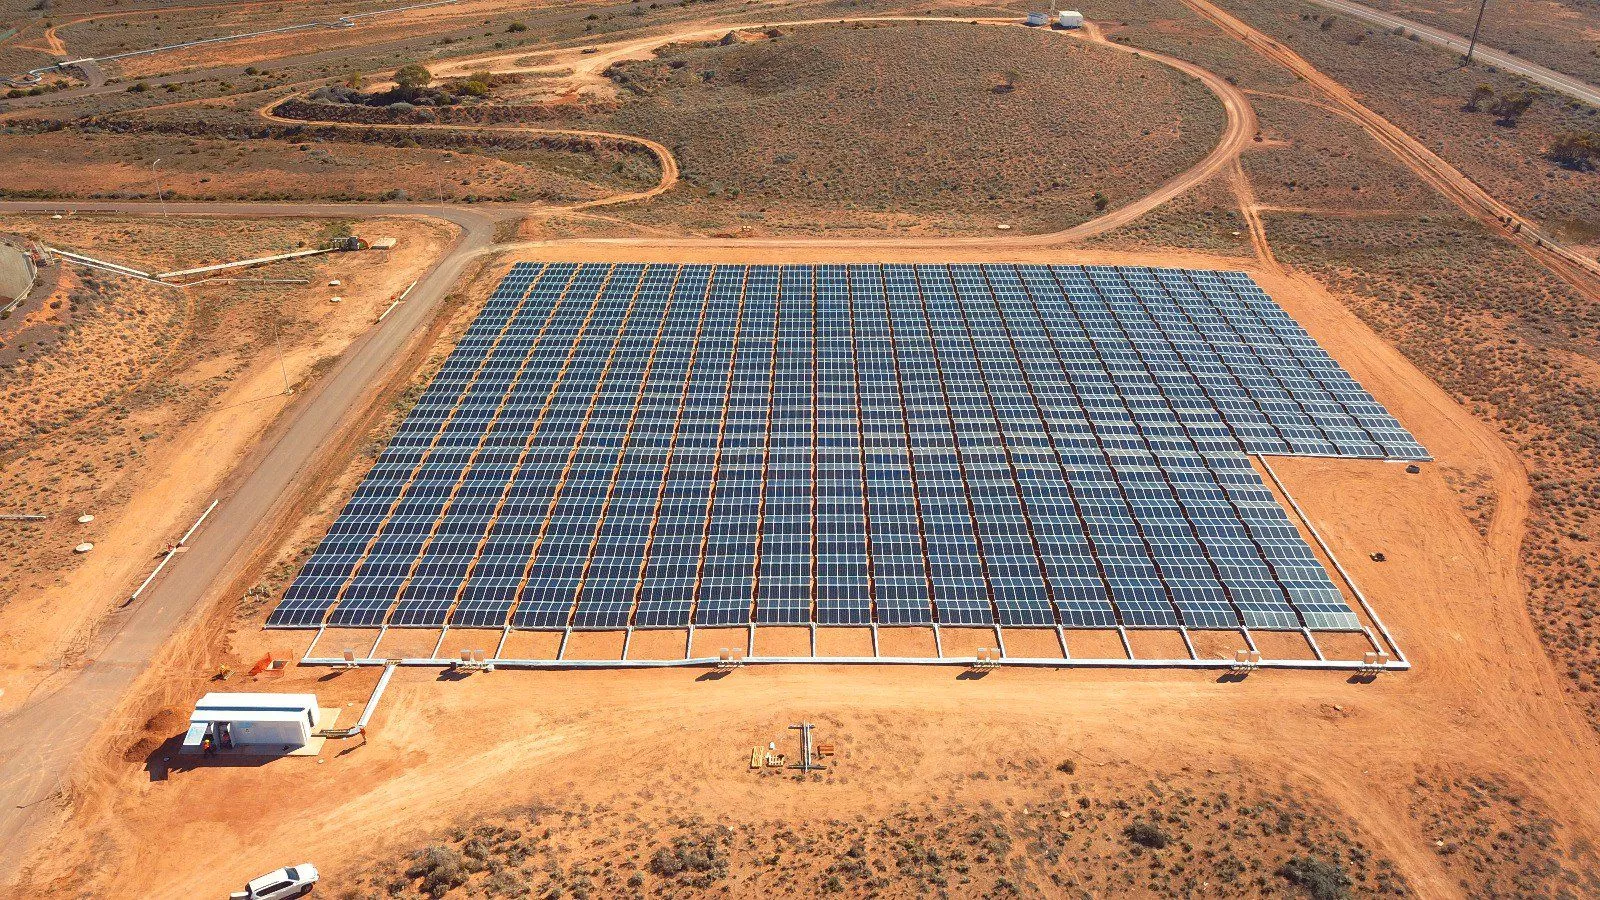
point(40, 743)
point(1566, 84)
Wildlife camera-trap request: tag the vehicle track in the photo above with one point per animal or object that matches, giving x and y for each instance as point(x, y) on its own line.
point(664, 157)
point(1240, 127)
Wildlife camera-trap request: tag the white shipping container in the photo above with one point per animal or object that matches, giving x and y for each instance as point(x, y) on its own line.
point(1070, 18)
point(1038, 19)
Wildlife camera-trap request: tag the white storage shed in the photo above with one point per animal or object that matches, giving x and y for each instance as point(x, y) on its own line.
point(1038, 18)
point(1070, 18)
point(252, 723)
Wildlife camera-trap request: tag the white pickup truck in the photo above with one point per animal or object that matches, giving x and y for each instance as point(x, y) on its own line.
point(291, 881)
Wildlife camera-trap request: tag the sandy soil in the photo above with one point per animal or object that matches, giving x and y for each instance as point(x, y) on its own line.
point(218, 392)
point(1482, 701)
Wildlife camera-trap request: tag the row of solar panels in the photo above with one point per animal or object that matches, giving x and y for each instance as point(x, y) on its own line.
point(659, 445)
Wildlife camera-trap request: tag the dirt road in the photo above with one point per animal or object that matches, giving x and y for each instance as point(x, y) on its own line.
point(37, 743)
point(664, 157)
point(1240, 127)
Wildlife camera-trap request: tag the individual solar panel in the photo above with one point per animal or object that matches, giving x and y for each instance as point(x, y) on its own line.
point(650, 446)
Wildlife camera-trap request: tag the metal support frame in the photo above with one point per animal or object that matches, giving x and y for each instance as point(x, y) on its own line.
point(958, 661)
point(1400, 661)
point(1310, 639)
point(1184, 633)
point(1066, 660)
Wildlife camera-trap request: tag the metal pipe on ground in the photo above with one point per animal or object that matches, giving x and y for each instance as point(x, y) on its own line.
point(1334, 665)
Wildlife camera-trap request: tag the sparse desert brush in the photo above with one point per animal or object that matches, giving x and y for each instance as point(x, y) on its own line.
point(1024, 842)
point(849, 126)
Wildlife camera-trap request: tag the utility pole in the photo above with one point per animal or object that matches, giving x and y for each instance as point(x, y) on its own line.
point(1473, 43)
point(159, 195)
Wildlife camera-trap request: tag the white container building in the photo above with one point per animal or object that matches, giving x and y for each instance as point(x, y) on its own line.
point(1038, 18)
point(252, 723)
point(1069, 18)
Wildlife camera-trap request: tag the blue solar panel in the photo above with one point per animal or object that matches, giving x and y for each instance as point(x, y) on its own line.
point(663, 445)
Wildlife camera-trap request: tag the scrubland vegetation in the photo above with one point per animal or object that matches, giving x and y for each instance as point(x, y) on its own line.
point(1049, 834)
point(1547, 32)
point(850, 126)
point(274, 162)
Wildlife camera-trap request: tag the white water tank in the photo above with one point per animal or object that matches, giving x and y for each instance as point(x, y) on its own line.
point(1070, 18)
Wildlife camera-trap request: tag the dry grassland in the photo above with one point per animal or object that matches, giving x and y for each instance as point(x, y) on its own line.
point(838, 127)
point(94, 163)
point(1205, 219)
point(1031, 828)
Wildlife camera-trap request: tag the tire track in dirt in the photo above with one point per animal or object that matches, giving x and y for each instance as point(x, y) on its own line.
point(1239, 128)
point(664, 157)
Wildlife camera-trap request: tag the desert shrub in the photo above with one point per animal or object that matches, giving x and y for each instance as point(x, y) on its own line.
point(1321, 879)
point(1575, 149)
point(440, 868)
point(413, 76)
point(1509, 109)
point(1147, 834)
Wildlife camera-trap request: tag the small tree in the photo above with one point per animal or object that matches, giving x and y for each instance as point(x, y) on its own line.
point(1508, 110)
point(1479, 94)
point(1100, 202)
point(413, 76)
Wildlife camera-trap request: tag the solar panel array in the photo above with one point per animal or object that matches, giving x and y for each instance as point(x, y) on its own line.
point(660, 445)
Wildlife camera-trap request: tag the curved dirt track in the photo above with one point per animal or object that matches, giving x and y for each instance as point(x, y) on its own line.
point(1237, 132)
point(664, 157)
